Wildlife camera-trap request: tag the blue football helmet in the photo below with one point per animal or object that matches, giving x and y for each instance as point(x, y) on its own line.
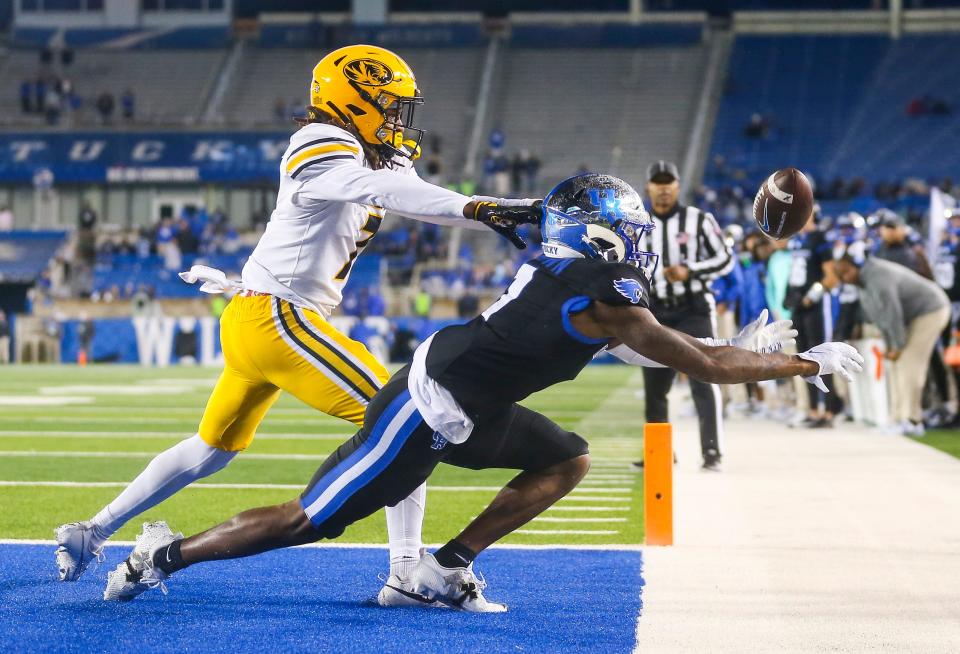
point(596, 216)
point(848, 228)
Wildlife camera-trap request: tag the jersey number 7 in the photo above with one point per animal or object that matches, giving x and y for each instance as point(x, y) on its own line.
point(370, 227)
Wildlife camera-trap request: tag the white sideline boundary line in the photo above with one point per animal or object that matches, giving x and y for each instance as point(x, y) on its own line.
point(120, 435)
point(122, 484)
point(373, 546)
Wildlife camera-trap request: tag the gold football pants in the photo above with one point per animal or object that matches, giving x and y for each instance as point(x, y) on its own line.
point(270, 345)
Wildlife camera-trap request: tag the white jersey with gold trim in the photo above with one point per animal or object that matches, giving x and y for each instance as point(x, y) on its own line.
point(330, 204)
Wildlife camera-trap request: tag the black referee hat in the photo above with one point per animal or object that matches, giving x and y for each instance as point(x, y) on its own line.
point(662, 168)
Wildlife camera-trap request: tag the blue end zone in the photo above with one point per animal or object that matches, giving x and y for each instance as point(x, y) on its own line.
point(322, 600)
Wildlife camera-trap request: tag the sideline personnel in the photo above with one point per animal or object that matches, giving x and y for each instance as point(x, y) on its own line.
point(692, 254)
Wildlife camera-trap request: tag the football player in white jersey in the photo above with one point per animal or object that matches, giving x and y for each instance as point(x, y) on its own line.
point(349, 163)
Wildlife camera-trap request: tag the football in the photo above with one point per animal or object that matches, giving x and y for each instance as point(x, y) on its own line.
point(783, 204)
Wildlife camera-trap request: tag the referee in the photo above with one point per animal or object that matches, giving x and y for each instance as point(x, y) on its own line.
point(692, 253)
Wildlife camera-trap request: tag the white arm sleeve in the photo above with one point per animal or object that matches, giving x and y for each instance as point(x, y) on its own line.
point(625, 354)
point(393, 190)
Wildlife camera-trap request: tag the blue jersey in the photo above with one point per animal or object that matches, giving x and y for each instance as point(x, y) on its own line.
point(753, 297)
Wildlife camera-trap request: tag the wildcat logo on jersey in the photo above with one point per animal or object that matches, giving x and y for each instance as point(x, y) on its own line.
point(630, 289)
point(368, 72)
point(439, 442)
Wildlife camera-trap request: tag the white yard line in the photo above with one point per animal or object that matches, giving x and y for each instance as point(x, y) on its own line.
point(593, 498)
point(377, 546)
point(544, 518)
point(112, 420)
point(145, 455)
point(215, 486)
point(568, 532)
point(589, 508)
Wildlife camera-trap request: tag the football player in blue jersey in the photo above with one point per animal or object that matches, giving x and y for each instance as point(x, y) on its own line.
point(457, 401)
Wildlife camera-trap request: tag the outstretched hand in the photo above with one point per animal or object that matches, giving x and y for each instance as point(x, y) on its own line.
point(760, 337)
point(503, 216)
point(833, 358)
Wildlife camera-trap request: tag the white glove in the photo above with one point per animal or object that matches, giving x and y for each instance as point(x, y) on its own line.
point(760, 337)
point(505, 202)
point(833, 358)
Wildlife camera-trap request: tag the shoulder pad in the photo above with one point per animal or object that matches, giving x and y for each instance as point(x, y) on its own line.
point(319, 143)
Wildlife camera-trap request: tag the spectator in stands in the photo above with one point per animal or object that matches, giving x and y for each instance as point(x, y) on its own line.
point(26, 96)
point(39, 94)
point(4, 338)
point(915, 107)
point(105, 106)
point(758, 127)
point(128, 105)
point(422, 303)
point(434, 169)
point(941, 108)
point(297, 109)
point(755, 251)
point(896, 246)
point(468, 306)
point(524, 169)
point(87, 218)
point(86, 250)
point(496, 170)
point(376, 306)
point(186, 238)
point(403, 343)
point(910, 312)
point(52, 103)
point(806, 301)
point(779, 263)
point(280, 113)
point(166, 244)
point(6, 219)
point(364, 332)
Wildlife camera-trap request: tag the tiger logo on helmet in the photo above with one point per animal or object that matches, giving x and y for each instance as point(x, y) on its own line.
point(375, 91)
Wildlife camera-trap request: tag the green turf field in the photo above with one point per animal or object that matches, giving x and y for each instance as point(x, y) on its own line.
point(947, 440)
point(71, 437)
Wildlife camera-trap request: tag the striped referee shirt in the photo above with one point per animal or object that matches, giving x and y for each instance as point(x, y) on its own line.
point(692, 238)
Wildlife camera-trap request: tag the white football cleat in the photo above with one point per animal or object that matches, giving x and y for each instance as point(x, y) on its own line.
point(76, 549)
point(137, 573)
point(456, 587)
point(399, 592)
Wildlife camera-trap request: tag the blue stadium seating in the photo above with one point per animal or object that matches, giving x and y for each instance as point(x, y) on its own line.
point(24, 255)
point(129, 272)
point(838, 106)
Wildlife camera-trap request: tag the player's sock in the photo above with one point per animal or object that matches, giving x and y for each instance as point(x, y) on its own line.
point(168, 558)
point(170, 471)
point(405, 529)
point(455, 555)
